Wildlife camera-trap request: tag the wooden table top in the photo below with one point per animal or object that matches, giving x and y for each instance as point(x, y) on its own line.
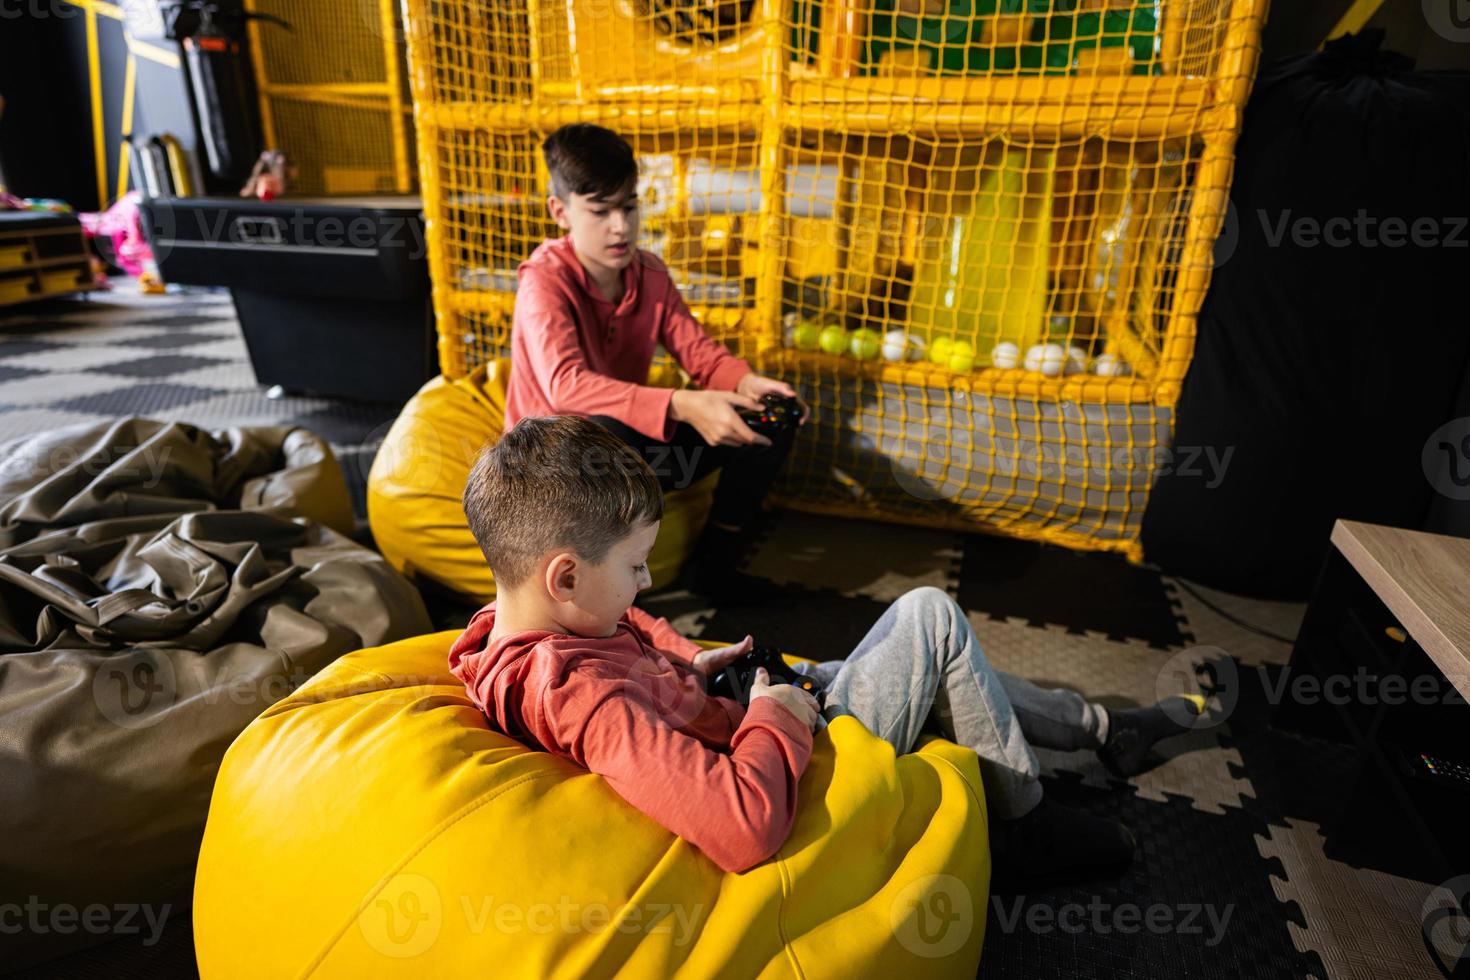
point(1424, 580)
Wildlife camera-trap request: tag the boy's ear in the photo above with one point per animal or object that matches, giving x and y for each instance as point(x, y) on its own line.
point(561, 576)
point(558, 211)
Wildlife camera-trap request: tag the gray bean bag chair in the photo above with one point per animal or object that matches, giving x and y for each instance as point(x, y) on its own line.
point(160, 586)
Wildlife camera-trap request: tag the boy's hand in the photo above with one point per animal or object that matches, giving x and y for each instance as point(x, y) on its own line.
point(755, 385)
point(715, 416)
point(792, 698)
point(710, 662)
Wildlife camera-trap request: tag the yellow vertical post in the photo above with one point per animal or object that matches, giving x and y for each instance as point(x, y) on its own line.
point(130, 90)
point(417, 31)
point(402, 174)
point(1235, 70)
point(840, 44)
point(772, 157)
point(262, 82)
point(94, 78)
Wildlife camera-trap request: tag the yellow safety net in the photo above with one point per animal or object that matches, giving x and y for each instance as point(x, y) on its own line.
point(334, 94)
point(974, 233)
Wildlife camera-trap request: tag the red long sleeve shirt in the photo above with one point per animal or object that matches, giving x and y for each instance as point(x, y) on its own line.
point(631, 708)
point(573, 352)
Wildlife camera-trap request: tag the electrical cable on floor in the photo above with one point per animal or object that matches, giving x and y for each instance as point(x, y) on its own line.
point(1215, 608)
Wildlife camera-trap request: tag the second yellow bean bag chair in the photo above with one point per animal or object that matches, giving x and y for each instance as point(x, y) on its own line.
point(417, 483)
point(371, 824)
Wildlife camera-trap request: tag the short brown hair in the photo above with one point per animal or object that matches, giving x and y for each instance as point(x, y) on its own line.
point(556, 482)
point(587, 159)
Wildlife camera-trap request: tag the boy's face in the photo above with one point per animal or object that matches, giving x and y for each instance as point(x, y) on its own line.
point(604, 230)
point(602, 592)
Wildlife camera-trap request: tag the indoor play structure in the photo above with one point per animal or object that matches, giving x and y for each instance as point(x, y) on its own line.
point(974, 234)
point(333, 94)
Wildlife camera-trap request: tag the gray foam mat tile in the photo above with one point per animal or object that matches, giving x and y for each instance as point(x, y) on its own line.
point(1211, 626)
point(231, 375)
point(66, 357)
point(144, 399)
point(158, 366)
point(20, 346)
point(174, 339)
point(251, 407)
point(42, 388)
point(1365, 924)
point(88, 333)
point(1197, 766)
point(856, 558)
point(16, 424)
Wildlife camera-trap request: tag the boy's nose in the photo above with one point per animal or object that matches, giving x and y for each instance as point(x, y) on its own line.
point(645, 579)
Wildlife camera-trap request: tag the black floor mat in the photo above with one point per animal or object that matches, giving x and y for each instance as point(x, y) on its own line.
point(1079, 591)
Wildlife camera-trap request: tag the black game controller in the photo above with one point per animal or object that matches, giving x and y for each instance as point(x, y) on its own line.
point(735, 681)
point(777, 414)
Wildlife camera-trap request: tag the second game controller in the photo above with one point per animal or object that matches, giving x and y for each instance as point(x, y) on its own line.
point(777, 413)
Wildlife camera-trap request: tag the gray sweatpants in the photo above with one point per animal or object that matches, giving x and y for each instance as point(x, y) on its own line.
point(920, 668)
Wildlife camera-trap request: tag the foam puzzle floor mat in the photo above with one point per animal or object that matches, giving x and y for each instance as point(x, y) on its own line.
point(1232, 878)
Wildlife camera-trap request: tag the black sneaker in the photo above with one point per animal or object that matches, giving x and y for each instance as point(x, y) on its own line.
point(1056, 844)
point(1132, 733)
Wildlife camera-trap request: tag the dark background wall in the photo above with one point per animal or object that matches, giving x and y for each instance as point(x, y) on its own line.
point(46, 131)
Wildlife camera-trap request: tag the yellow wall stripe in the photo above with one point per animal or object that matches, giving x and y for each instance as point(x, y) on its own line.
point(130, 90)
point(98, 7)
point(161, 55)
point(1356, 17)
point(94, 74)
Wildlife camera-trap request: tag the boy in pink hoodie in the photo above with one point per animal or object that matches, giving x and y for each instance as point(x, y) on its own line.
point(566, 514)
point(590, 309)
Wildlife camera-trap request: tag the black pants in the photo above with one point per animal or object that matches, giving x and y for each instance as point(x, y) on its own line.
point(747, 471)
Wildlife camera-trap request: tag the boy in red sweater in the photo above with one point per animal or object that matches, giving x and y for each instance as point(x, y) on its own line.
point(590, 309)
point(566, 514)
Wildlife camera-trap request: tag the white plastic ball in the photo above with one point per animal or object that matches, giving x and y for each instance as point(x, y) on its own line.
point(1110, 366)
point(1048, 359)
point(918, 349)
point(896, 345)
point(1005, 355)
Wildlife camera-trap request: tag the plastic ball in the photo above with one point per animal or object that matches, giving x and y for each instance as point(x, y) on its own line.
point(1005, 355)
point(1076, 360)
point(833, 339)
point(806, 335)
point(865, 344)
point(895, 346)
point(940, 349)
point(1048, 359)
point(1110, 366)
point(918, 350)
point(961, 361)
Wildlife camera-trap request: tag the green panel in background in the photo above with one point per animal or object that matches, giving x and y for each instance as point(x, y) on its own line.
point(954, 40)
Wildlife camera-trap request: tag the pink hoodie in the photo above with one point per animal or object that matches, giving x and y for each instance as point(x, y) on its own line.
point(574, 353)
point(631, 708)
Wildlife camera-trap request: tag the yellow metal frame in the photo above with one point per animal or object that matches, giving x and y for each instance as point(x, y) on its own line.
point(384, 97)
point(1200, 112)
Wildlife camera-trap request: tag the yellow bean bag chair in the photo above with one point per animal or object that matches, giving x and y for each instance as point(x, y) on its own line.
point(417, 483)
point(371, 824)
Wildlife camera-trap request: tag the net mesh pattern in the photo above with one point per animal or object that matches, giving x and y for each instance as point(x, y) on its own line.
point(975, 234)
point(334, 95)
